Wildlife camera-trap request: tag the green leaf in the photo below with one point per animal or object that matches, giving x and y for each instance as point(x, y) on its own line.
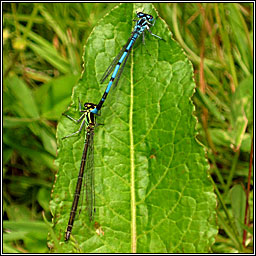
point(43, 197)
point(211, 106)
point(239, 28)
point(18, 235)
point(55, 60)
point(53, 96)
point(24, 100)
point(33, 233)
point(226, 138)
point(246, 143)
point(63, 35)
point(221, 137)
point(46, 51)
point(238, 201)
point(151, 184)
point(25, 226)
point(39, 156)
point(16, 122)
point(242, 109)
point(9, 248)
point(7, 153)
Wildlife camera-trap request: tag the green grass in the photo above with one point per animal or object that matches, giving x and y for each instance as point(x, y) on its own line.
point(42, 62)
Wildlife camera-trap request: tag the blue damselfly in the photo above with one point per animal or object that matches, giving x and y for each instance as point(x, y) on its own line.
point(143, 23)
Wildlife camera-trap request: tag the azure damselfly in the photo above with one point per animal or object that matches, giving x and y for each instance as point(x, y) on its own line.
point(88, 120)
point(143, 23)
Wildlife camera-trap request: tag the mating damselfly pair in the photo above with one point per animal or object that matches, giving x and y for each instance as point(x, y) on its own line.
point(88, 119)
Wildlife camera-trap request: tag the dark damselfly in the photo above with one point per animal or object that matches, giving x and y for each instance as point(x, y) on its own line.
point(88, 120)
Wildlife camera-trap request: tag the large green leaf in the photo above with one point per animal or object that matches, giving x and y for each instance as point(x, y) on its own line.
point(152, 190)
point(242, 110)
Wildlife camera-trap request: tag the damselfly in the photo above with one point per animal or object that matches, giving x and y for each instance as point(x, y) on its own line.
point(88, 120)
point(143, 23)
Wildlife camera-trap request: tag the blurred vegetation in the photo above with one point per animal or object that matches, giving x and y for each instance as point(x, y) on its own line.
point(42, 49)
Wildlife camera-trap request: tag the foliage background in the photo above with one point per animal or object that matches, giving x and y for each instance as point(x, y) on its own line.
point(42, 49)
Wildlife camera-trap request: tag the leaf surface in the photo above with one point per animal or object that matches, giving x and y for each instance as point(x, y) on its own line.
point(152, 190)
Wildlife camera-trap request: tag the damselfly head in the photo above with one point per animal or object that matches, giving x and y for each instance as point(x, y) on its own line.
point(140, 14)
point(144, 15)
point(89, 106)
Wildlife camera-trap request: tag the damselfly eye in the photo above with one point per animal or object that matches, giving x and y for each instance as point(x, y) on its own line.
point(149, 17)
point(89, 106)
point(140, 14)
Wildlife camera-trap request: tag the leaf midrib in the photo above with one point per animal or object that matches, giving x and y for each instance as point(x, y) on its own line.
point(132, 166)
